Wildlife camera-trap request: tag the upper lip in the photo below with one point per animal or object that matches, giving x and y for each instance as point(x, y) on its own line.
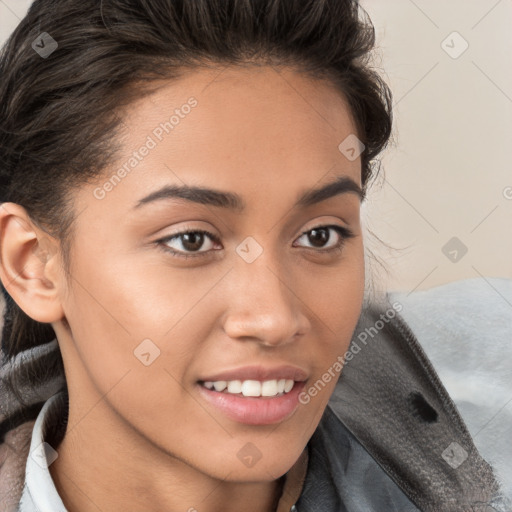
point(259, 372)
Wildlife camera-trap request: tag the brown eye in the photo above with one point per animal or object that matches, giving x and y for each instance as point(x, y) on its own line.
point(192, 241)
point(326, 238)
point(189, 242)
point(319, 237)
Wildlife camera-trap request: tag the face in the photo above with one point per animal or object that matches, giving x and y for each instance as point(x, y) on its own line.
point(179, 303)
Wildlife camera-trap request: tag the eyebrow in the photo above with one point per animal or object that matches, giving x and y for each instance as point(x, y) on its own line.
point(231, 201)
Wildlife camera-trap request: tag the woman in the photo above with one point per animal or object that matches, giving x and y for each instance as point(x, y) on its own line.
point(181, 240)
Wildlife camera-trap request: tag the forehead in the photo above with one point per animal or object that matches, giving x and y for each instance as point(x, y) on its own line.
point(247, 129)
point(236, 90)
point(239, 108)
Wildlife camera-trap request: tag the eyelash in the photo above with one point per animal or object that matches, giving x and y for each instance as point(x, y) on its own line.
point(345, 234)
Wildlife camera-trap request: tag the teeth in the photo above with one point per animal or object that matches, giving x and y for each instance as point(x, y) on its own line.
point(235, 386)
point(269, 388)
point(252, 387)
point(288, 385)
point(220, 385)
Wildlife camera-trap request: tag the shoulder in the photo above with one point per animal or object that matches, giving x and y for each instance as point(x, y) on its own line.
point(465, 328)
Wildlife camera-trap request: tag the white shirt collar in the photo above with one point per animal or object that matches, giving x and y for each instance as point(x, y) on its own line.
point(39, 493)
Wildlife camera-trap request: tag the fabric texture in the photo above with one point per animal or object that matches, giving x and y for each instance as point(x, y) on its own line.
point(465, 329)
point(391, 399)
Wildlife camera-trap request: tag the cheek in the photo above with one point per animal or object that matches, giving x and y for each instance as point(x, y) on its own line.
point(137, 329)
point(334, 296)
point(336, 301)
point(118, 314)
point(135, 349)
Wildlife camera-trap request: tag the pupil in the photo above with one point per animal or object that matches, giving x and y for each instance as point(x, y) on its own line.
point(320, 240)
point(192, 241)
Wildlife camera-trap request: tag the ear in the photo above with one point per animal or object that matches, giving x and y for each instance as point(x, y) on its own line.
point(30, 265)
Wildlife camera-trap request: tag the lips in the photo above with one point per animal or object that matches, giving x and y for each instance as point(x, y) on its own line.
point(255, 395)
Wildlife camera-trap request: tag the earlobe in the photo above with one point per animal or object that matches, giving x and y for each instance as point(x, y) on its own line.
point(27, 261)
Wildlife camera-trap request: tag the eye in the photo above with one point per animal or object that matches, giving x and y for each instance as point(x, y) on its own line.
point(189, 243)
point(197, 242)
point(321, 237)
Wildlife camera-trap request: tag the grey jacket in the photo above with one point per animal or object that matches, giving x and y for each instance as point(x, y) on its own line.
point(392, 438)
point(420, 419)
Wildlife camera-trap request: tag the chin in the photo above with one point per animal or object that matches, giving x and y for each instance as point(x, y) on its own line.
point(252, 464)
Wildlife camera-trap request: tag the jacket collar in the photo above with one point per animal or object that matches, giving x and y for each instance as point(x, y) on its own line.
point(390, 398)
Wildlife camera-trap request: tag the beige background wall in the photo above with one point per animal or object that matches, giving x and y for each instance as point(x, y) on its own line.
point(449, 173)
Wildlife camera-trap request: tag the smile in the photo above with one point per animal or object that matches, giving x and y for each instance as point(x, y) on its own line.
point(254, 388)
point(253, 402)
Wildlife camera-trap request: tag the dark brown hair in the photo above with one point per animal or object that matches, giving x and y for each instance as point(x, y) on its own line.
point(59, 115)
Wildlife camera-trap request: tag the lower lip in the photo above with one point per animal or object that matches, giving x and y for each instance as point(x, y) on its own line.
point(255, 410)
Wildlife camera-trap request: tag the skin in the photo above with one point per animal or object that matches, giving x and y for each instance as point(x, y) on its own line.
point(256, 132)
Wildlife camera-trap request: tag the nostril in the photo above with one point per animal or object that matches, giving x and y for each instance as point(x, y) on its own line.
point(420, 408)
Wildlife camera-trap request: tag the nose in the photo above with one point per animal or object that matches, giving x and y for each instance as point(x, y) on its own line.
point(264, 306)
